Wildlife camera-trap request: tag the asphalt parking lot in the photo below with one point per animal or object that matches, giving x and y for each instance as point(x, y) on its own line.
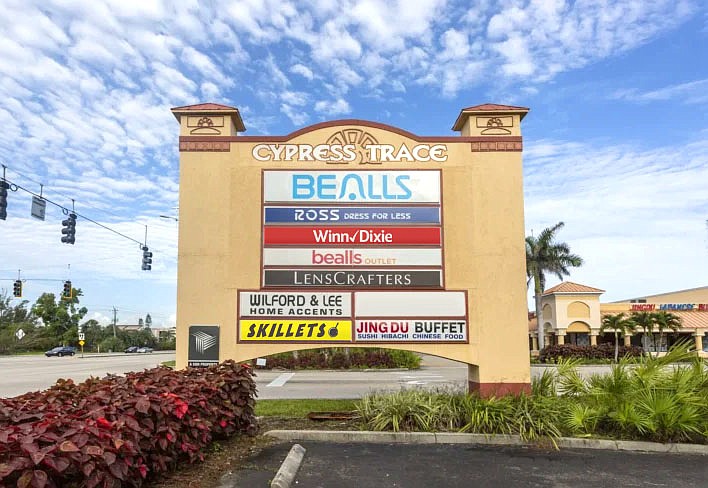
point(329, 465)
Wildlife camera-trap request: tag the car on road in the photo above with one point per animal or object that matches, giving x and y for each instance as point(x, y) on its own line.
point(144, 349)
point(61, 351)
point(132, 349)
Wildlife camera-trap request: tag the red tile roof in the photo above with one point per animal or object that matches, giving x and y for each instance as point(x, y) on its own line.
point(493, 107)
point(211, 107)
point(570, 287)
point(205, 106)
point(487, 107)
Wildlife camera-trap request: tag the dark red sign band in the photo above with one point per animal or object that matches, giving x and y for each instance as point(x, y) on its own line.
point(352, 236)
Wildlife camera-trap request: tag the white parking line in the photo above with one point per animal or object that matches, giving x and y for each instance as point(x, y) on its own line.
point(281, 380)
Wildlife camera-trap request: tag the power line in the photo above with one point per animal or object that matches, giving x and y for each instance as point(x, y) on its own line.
point(64, 209)
point(64, 195)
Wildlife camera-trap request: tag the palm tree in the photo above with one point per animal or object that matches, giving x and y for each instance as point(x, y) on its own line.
point(646, 322)
point(666, 320)
point(544, 255)
point(619, 324)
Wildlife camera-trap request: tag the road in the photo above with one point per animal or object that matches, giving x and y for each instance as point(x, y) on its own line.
point(455, 465)
point(21, 374)
point(26, 373)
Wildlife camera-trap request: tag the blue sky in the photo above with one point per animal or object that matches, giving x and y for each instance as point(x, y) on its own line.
point(616, 142)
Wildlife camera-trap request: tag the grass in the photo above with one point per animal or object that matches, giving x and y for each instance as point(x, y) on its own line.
point(169, 364)
point(300, 408)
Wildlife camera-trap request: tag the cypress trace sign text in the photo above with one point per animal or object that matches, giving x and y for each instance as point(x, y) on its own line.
point(347, 153)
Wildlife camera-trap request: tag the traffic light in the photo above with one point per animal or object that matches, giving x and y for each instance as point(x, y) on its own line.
point(4, 185)
point(147, 259)
point(69, 230)
point(66, 293)
point(17, 289)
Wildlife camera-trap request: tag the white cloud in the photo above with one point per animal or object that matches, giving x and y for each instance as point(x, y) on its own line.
point(334, 107)
point(303, 71)
point(627, 211)
point(692, 92)
point(296, 117)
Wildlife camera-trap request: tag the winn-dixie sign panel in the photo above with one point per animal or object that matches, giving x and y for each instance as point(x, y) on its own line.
point(352, 186)
point(275, 304)
point(352, 215)
point(368, 236)
point(337, 256)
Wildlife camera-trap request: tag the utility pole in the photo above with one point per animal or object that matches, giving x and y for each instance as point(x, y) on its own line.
point(114, 321)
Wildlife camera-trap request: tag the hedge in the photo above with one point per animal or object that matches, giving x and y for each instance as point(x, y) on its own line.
point(333, 358)
point(122, 430)
point(605, 350)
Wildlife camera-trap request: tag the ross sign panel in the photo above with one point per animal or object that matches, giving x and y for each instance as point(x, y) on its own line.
point(352, 186)
point(370, 278)
point(294, 330)
point(410, 304)
point(337, 256)
point(203, 345)
point(366, 236)
point(286, 304)
point(411, 330)
point(352, 215)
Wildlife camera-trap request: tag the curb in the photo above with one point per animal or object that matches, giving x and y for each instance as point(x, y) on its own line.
point(288, 470)
point(344, 436)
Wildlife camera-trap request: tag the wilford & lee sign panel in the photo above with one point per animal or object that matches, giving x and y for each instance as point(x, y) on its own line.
point(353, 317)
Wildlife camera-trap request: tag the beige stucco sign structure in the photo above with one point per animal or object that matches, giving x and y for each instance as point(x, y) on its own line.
point(353, 233)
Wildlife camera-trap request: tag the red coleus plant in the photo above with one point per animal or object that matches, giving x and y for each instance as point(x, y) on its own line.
point(120, 431)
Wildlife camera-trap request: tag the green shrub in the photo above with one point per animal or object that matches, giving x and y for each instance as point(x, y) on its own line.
point(662, 399)
point(343, 358)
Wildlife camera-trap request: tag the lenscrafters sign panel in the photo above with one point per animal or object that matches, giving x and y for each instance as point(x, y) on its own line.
point(203, 346)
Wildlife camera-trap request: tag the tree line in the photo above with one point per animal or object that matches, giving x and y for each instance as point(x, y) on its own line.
point(55, 321)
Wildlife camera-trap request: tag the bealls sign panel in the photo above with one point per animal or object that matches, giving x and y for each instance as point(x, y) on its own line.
point(410, 304)
point(352, 215)
point(275, 304)
point(329, 256)
point(203, 345)
point(352, 186)
point(370, 278)
point(365, 236)
point(410, 330)
point(294, 330)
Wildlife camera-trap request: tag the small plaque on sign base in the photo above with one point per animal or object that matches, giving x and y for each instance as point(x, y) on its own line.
point(203, 346)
